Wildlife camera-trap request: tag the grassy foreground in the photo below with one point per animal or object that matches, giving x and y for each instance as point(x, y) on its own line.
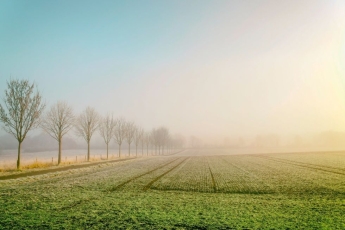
point(80, 209)
point(158, 193)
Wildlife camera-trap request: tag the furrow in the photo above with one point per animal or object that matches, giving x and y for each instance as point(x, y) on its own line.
point(148, 186)
point(304, 165)
point(140, 175)
point(308, 164)
point(212, 177)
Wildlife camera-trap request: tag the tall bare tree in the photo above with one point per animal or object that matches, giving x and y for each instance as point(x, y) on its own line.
point(147, 141)
point(161, 135)
point(154, 139)
point(120, 132)
point(129, 134)
point(106, 129)
point(57, 122)
point(138, 133)
point(142, 141)
point(86, 125)
point(21, 110)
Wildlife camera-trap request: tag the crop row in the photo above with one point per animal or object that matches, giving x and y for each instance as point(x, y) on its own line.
point(193, 175)
point(144, 180)
point(250, 174)
point(290, 178)
point(93, 177)
point(233, 177)
point(327, 160)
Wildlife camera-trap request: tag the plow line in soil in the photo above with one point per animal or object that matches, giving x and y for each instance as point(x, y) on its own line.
point(304, 165)
point(212, 177)
point(309, 164)
point(140, 175)
point(148, 186)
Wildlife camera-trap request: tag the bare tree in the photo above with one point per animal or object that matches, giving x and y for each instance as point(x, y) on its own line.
point(120, 132)
point(86, 125)
point(106, 130)
point(21, 111)
point(147, 141)
point(129, 135)
point(142, 141)
point(162, 134)
point(138, 133)
point(159, 138)
point(57, 122)
point(169, 144)
point(154, 139)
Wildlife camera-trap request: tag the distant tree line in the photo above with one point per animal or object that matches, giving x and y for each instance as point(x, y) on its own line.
point(23, 110)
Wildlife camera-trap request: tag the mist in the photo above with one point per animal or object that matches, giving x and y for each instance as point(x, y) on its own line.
point(230, 73)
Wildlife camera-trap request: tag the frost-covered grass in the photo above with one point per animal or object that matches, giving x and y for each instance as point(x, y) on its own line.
point(180, 192)
point(192, 175)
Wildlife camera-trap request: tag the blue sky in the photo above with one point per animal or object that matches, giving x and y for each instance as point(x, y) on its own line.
point(204, 67)
point(68, 45)
point(76, 40)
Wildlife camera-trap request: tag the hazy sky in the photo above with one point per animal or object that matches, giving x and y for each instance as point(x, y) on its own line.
point(199, 67)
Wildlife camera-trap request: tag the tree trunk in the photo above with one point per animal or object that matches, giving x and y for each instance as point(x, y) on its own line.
point(119, 150)
point(107, 150)
point(59, 156)
point(88, 151)
point(136, 150)
point(18, 160)
point(147, 150)
point(129, 150)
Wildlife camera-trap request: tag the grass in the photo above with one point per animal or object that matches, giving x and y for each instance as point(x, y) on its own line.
point(243, 192)
point(37, 164)
point(10, 166)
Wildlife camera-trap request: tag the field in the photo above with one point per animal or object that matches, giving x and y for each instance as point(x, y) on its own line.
point(194, 189)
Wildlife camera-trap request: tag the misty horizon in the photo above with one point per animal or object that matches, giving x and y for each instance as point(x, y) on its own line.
point(327, 140)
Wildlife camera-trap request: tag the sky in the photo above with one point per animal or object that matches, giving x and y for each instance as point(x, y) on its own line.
point(203, 68)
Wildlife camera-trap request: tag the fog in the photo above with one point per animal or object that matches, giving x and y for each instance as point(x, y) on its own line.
point(233, 74)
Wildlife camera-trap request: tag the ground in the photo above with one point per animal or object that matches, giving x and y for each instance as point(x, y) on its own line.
point(189, 190)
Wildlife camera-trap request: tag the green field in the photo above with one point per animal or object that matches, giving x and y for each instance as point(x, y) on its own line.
point(189, 190)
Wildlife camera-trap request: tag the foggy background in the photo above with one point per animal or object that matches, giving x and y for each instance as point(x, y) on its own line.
point(229, 74)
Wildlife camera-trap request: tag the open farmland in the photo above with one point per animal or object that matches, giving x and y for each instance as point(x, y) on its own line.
point(194, 189)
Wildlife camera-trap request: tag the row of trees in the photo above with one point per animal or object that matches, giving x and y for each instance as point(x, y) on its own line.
point(23, 110)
